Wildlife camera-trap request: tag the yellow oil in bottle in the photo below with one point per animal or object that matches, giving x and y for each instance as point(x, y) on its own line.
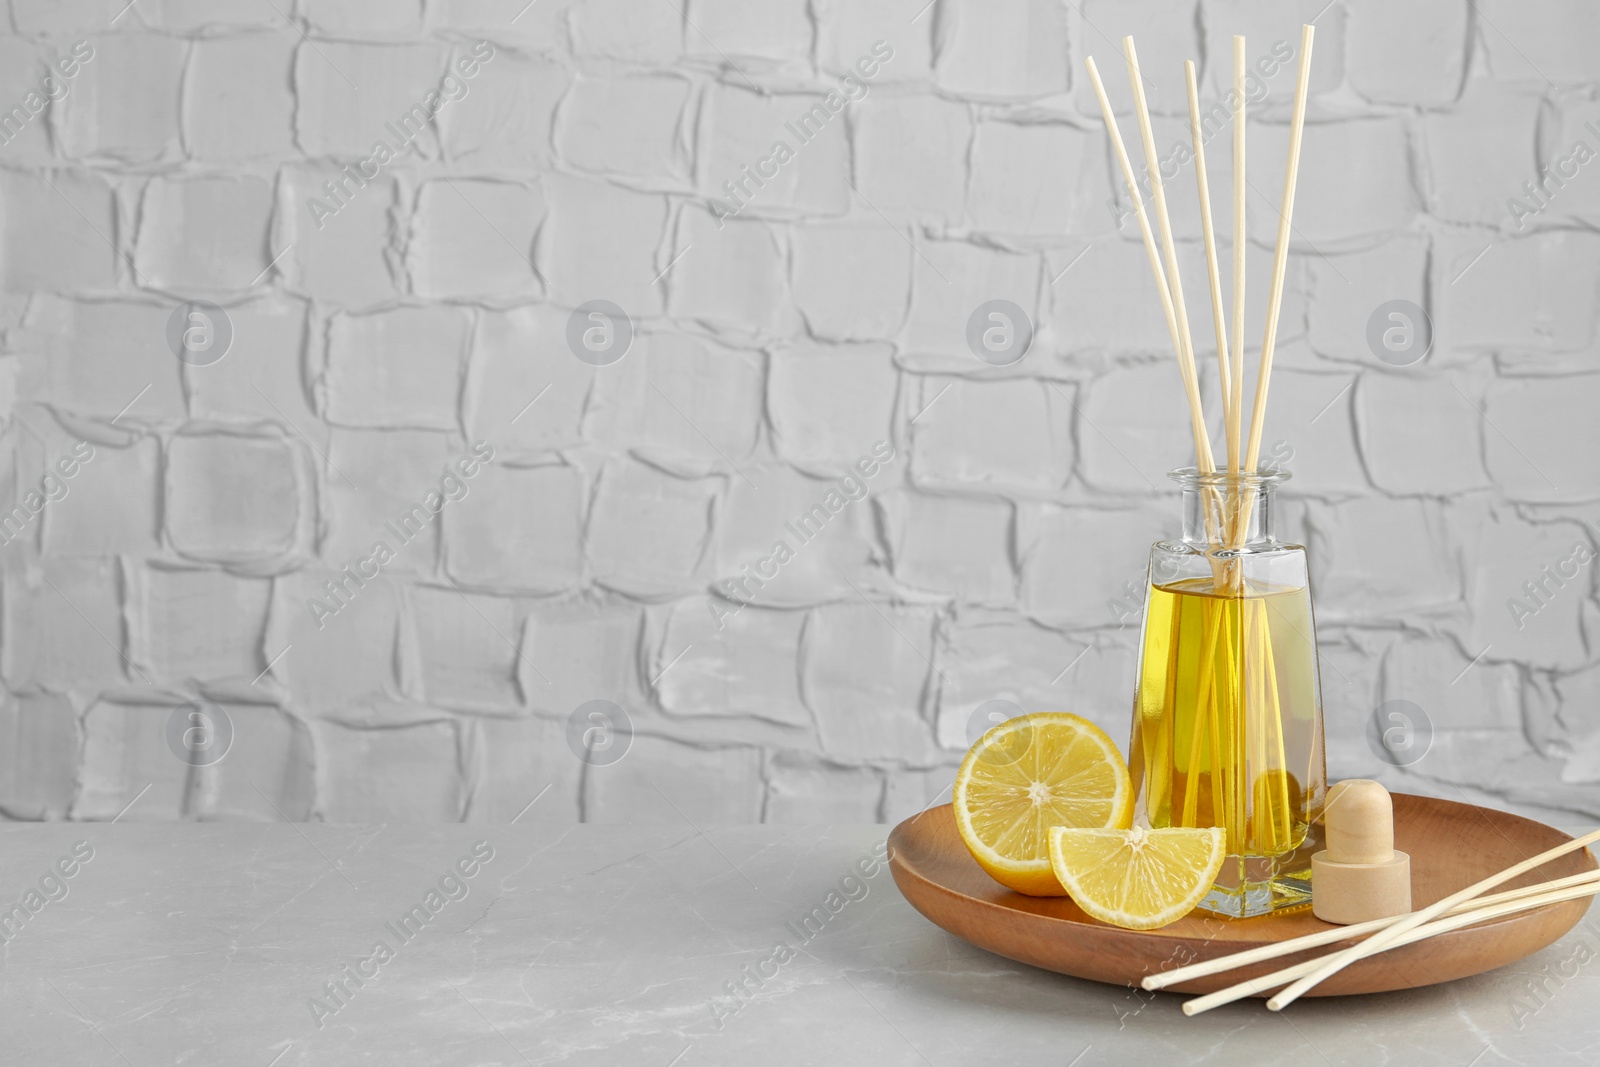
point(1227, 732)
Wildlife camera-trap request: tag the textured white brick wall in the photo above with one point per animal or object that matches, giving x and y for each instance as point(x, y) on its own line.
point(425, 308)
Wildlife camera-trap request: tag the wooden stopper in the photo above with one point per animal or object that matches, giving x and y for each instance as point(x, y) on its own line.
point(1359, 822)
point(1360, 876)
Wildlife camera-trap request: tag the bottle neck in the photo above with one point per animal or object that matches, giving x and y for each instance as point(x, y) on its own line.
point(1232, 516)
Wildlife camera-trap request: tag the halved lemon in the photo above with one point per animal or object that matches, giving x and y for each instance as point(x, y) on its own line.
point(1139, 879)
point(1027, 775)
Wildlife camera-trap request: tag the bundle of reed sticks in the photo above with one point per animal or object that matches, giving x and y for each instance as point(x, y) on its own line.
point(1463, 908)
point(1253, 823)
point(1243, 453)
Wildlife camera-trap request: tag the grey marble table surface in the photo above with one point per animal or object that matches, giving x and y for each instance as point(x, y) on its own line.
point(660, 946)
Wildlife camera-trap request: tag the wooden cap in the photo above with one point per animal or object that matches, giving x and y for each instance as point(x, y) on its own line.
point(1359, 876)
point(1358, 822)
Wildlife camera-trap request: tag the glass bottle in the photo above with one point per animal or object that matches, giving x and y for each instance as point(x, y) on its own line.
point(1227, 710)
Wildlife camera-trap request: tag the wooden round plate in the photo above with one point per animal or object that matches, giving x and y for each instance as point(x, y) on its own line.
point(1451, 846)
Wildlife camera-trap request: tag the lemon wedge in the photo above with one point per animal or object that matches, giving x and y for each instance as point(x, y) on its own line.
point(1139, 879)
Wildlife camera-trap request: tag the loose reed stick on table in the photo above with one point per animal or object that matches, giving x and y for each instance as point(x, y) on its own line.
point(1178, 975)
point(1454, 921)
point(1340, 960)
point(1204, 458)
point(1217, 316)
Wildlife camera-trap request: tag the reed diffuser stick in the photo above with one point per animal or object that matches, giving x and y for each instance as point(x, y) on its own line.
point(1236, 386)
point(1264, 824)
point(1280, 256)
point(1337, 962)
point(1204, 458)
point(1269, 790)
point(1217, 317)
point(1234, 572)
point(1454, 921)
point(1205, 694)
point(1231, 733)
point(1278, 783)
point(1334, 935)
point(1154, 255)
point(1219, 804)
